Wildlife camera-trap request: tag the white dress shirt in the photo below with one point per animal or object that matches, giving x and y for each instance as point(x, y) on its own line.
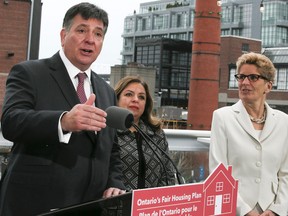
point(73, 71)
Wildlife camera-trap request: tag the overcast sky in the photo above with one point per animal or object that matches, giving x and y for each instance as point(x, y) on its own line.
point(53, 12)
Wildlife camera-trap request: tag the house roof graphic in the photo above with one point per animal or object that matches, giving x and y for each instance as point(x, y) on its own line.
point(216, 174)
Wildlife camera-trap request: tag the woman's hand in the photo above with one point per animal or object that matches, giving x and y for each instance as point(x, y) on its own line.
point(268, 213)
point(110, 192)
point(252, 213)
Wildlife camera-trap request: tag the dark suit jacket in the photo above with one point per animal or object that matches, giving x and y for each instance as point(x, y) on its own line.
point(43, 173)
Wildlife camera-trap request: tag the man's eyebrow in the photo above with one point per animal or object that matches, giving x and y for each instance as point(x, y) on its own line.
point(85, 25)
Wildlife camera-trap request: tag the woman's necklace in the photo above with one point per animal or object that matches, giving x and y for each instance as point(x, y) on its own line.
point(260, 120)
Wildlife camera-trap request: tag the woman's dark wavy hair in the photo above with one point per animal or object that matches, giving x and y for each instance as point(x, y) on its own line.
point(87, 11)
point(147, 116)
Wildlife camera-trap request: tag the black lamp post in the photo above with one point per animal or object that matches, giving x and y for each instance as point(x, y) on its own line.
point(261, 7)
point(261, 15)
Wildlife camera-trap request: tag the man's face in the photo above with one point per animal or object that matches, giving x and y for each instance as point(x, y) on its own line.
point(82, 43)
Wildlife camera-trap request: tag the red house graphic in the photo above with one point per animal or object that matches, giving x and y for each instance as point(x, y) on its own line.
point(220, 192)
point(217, 195)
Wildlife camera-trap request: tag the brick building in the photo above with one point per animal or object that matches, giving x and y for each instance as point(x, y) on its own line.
point(14, 37)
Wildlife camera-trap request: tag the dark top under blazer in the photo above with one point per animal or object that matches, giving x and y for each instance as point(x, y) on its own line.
point(42, 172)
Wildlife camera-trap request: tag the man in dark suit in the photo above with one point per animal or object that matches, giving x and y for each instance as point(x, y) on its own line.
point(63, 153)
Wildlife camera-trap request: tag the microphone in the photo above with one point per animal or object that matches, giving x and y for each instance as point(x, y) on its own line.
point(119, 118)
point(147, 138)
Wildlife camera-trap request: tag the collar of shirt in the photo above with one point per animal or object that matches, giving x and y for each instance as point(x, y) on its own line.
point(72, 70)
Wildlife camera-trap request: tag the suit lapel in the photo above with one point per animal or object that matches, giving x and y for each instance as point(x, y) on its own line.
point(96, 86)
point(59, 73)
point(270, 123)
point(243, 119)
point(101, 99)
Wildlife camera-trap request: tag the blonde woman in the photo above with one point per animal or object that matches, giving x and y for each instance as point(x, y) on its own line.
point(253, 138)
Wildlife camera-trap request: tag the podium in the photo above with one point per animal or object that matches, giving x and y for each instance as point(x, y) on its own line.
point(217, 195)
point(96, 208)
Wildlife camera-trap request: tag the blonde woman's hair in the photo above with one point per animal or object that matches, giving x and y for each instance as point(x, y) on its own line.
point(262, 62)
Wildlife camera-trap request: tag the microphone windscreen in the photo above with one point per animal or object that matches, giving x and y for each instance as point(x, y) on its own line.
point(119, 118)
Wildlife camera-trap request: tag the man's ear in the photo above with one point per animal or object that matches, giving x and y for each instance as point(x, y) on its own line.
point(62, 36)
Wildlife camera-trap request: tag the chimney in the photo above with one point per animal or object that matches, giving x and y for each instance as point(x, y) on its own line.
point(204, 77)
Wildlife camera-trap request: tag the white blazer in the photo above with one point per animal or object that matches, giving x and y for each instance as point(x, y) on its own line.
point(260, 164)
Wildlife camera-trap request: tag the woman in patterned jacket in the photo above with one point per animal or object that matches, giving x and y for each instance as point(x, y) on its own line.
point(142, 166)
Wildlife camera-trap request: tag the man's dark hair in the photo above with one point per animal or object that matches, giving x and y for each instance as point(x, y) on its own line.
point(87, 11)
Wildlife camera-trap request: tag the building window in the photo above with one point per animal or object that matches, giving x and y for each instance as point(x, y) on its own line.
point(210, 200)
point(226, 198)
point(281, 79)
point(233, 83)
point(151, 55)
point(165, 78)
point(128, 25)
point(219, 186)
point(179, 36)
point(158, 23)
point(143, 24)
point(245, 47)
point(225, 32)
point(177, 20)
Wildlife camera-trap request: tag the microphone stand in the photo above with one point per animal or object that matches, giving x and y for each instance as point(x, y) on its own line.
point(145, 137)
point(157, 155)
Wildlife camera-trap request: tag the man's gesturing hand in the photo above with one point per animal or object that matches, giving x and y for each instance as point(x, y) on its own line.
point(84, 117)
